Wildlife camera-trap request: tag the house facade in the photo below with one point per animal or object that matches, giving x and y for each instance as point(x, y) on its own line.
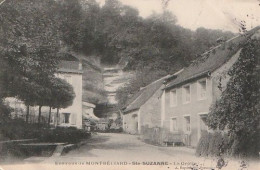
point(186, 100)
point(71, 72)
point(144, 108)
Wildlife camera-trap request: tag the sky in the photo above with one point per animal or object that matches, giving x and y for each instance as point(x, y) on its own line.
point(213, 14)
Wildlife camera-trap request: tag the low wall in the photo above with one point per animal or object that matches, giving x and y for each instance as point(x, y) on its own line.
point(11, 146)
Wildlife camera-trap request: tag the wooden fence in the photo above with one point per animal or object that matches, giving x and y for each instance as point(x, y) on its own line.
point(160, 136)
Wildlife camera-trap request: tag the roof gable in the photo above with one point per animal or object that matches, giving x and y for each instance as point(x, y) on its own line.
point(144, 95)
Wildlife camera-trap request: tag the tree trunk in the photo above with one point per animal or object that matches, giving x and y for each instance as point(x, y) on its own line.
point(27, 113)
point(40, 114)
point(57, 117)
point(49, 120)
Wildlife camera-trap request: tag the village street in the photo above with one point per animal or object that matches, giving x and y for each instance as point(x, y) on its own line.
point(124, 151)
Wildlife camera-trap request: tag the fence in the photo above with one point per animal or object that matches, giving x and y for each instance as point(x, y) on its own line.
point(160, 136)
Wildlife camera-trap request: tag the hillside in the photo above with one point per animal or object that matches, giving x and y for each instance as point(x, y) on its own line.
point(93, 85)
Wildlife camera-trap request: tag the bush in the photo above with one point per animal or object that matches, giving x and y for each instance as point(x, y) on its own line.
point(63, 135)
point(203, 145)
point(18, 129)
point(217, 144)
point(213, 144)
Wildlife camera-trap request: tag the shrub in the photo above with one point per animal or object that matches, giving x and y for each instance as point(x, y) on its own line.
point(213, 144)
point(18, 129)
point(203, 145)
point(63, 135)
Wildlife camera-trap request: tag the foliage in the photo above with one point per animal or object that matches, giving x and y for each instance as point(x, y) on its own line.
point(71, 23)
point(62, 94)
point(24, 130)
point(64, 135)
point(4, 113)
point(238, 109)
point(32, 31)
point(213, 144)
point(153, 46)
point(30, 41)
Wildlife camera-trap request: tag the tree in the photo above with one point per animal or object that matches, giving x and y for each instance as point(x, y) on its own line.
point(71, 23)
point(29, 43)
point(62, 95)
point(238, 109)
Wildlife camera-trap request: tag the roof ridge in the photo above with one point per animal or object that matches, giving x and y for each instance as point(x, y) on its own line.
point(168, 75)
point(210, 61)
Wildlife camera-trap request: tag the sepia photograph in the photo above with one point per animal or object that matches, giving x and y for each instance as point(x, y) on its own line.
point(129, 84)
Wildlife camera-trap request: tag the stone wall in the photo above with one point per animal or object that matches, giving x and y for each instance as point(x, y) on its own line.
point(130, 122)
point(150, 112)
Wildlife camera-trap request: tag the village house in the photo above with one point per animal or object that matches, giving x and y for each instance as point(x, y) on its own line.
point(144, 108)
point(187, 98)
point(71, 72)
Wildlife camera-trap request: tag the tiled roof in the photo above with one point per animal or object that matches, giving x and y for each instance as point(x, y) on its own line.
point(211, 60)
point(144, 94)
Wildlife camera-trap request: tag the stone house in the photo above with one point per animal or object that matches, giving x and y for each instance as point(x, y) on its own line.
point(144, 108)
point(187, 98)
point(71, 72)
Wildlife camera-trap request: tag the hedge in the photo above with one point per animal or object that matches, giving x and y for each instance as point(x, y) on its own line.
point(220, 143)
point(18, 129)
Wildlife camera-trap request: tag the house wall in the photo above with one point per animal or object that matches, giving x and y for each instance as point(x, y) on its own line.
point(192, 109)
point(150, 112)
point(130, 122)
point(196, 108)
point(75, 109)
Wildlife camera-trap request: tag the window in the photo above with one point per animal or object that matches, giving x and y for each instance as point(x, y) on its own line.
point(202, 89)
point(173, 98)
point(187, 124)
point(186, 94)
point(174, 127)
point(66, 118)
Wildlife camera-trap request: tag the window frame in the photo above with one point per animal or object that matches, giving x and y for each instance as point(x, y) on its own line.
point(171, 98)
point(172, 129)
point(64, 120)
point(184, 101)
point(199, 87)
point(185, 124)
